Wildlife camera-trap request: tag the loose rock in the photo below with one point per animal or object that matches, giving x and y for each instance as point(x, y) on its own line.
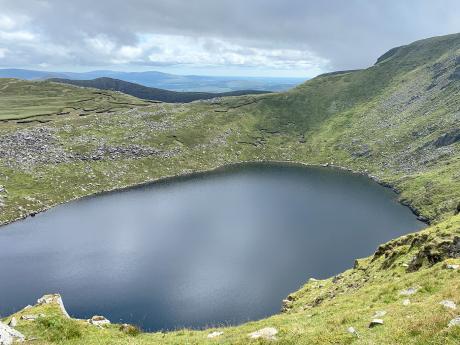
point(267, 333)
point(376, 322)
point(379, 314)
point(454, 322)
point(409, 291)
point(351, 330)
point(452, 267)
point(215, 334)
point(406, 301)
point(448, 304)
point(31, 317)
point(98, 320)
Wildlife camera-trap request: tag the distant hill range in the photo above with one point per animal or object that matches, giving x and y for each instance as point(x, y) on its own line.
point(151, 93)
point(189, 83)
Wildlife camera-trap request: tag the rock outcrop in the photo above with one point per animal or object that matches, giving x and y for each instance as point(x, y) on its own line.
point(267, 333)
point(54, 298)
point(8, 335)
point(448, 138)
point(376, 322)
point(98, 320)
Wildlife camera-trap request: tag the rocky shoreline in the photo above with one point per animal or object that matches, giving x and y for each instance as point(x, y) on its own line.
point(8, 333)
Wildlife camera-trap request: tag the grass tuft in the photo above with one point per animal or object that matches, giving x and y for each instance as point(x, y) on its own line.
point(58, 329)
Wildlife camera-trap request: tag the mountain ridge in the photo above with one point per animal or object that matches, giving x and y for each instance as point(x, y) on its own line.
point(150, 93)
point(172, 82)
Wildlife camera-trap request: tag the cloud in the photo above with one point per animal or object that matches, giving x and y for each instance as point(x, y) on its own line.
point(176, 49)
point(16, 36)
point(3, 52)
point(6, 23)
point(306, 36)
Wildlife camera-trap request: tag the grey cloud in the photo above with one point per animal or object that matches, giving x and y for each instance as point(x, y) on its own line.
point(350, 34)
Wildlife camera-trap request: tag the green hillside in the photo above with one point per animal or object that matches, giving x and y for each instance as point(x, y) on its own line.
point(397, 121)
point(43, 101)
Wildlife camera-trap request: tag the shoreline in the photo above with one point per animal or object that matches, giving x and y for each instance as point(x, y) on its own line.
point(223, 166)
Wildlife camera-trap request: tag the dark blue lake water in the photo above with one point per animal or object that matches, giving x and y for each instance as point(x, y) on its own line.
point(215, 248)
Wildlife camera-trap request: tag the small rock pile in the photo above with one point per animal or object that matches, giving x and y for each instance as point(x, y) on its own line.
point(117, 152)
point(29, 147)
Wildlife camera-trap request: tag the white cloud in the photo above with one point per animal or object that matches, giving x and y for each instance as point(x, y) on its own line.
point(127, 54)
point(304, 37)
point(13, 29)
point(16, 36)
point(34, 40)
point(217, 52)
point(3, 52)
point(101, 44)
point(6, 22)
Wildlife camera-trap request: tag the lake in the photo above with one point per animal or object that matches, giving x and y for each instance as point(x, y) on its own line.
point(215, 248)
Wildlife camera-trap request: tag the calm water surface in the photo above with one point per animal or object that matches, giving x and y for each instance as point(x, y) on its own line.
point(216, 248)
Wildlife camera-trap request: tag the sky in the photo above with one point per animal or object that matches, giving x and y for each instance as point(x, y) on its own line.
point(275, 38)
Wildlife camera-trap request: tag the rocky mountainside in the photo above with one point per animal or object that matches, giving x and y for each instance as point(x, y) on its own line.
point(397, 122)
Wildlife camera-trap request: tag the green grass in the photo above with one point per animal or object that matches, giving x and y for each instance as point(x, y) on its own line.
point(42, 101)
point(58, 329)
point(381, 121)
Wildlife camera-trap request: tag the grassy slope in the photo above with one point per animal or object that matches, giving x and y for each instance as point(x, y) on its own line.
point(42, 101)
point(382, 121)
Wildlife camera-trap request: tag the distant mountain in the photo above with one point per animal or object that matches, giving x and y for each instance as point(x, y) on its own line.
point(29, 74)
point(150, 93)
point(190, 83)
